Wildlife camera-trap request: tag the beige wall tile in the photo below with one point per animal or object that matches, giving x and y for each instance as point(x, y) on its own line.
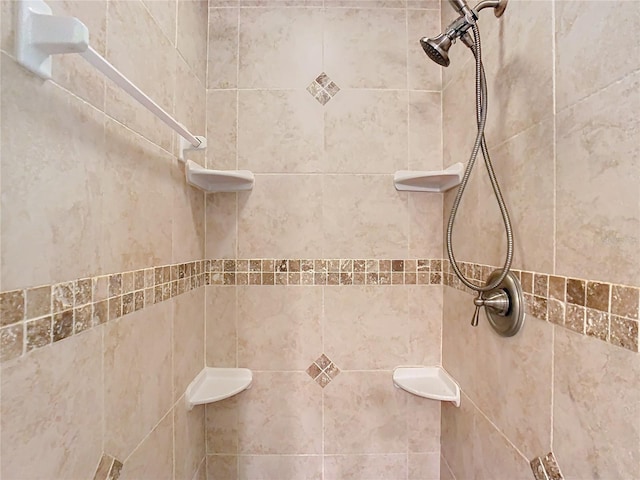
point(7, 30)
point(458, 424)
point(425, 325)
point(423, 424)
point(52, 406)
point(189, 440)
point(366, 132)
point(138, 184)
point(222, 467)
point(222, 62)
point(164, 12)
point(582, 71)
point(73, 72)
point(201, 474)
point(366, 327)
point(598, 212)
point(279, 48)
point(221, 225)
point(279, 328)
point(188, 216)
point(281, 413)
point(64, 147)
point(529, 157)
point(188, 339)
point(364, 413)
point(424, 466)
point(445, 471)
point(459, 341)
point(280, 131)
point(131, 20)
point(494, 455)
point(190, 106)
point(221, 425)
point(425, 131)
point(365, 467)
point(136, 400)
point(591, 438)
point(222, 135)
point(153, 458)
point(425, 225)
point(520, 78)
point(423, 73)
point(517, 370)
point(221, 326)
point(364, 217)
point(277, 467)
point(458, 117)
point(188, 219)
point(192, 35)
point(352, 60)
point(277, 204)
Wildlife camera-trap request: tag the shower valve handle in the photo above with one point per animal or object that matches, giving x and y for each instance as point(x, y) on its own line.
point(476, 315)
point(497, 301)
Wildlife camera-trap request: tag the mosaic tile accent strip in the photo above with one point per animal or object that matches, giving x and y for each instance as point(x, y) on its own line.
point(323, 371)
point(546, 468)
point(601, 310)
point(108, 469)
point(35, 317)
point(551, 466)
point(323, 89)
point(539, 473)
point(325, 272)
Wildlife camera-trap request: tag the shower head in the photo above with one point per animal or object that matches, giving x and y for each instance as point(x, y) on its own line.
point(437, 48)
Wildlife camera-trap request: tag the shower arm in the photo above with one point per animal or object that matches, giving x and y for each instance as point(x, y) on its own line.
point(468, 16)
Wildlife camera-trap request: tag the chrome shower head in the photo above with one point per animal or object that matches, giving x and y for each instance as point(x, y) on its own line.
point(437, 48)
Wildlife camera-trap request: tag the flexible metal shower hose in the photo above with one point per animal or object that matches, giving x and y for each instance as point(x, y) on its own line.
point(480, 143)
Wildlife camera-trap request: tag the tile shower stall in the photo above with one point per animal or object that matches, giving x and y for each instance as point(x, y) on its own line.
point(119, 282)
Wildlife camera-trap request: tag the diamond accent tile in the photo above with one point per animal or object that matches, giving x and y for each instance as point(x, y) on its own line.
point(323, 371)
point(323, 88)
point(323, 97)
point(323, 362)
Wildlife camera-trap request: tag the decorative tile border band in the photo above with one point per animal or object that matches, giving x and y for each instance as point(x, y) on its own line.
point(605, 311)
point(546, 468)
point(326, 272)
point(35, 317)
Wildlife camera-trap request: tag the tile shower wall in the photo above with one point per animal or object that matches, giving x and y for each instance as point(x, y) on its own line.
point(91, 187)
point(299, 94)
point(563, 132)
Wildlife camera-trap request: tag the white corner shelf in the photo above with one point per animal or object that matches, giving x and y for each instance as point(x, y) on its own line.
point(212, 181)
point(436, 181)
point(215, 384)
point(428, 382)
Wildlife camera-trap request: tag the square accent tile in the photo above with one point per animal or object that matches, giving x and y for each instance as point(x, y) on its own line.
point(323, 88)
